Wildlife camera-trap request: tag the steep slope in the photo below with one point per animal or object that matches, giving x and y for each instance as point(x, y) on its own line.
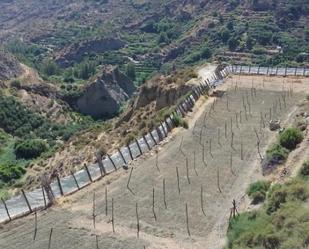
point(9, 66)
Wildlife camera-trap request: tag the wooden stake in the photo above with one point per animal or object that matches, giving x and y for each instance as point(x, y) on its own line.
point(194, 164)
point(139, 147)
point(44, 197)
point(210, 148)
point(164, 194)
point(111, 160)
point(218, 131)
point(146, 142)
point(97, 241)
point(35, 225)
point(187, 170)
point(203, 155)
point(187, 220)
point(218, 180)
point(113, 218)
point(241, 150)
point(27, 202)
point(153, 204)
point(130, 152)
point(137, 220)
point(128, 184)
point(231, 164)
point(106, 204)
point(50, 238)
point(88, 173)
point(75, 180)
point(122, 157)
point(59, 185)
point(202, 201)
point(157, 161)
point(225, 130)
point(93, 211)
point(178, 183)
point(6, 209)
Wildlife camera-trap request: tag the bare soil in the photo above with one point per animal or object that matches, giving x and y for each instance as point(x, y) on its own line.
point(222, 181)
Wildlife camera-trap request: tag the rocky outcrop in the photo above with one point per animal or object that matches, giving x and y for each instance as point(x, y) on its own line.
point(162, 95)
point(9, 66)
point(75, 52)
point(102, 98)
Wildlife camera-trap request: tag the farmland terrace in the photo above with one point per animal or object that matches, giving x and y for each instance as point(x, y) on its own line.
point(215, 160)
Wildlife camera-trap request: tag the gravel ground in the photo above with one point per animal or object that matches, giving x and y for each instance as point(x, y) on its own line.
point(162, 227)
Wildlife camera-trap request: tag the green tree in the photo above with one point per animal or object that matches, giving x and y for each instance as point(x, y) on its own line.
point(30, 148)
point(290, 138)
point(225, 35)
point(130, 71)
point(50, 68)
point(233, 43)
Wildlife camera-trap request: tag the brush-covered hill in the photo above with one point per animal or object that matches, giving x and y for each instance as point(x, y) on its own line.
point(59, 52)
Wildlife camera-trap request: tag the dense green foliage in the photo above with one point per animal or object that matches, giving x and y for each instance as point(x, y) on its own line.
point(304, 171)
point(290, 137)
point(9, 172)
point(257, 191)
point(277, 153)
point(30, 148)
point(19, 121)
point(281, 223)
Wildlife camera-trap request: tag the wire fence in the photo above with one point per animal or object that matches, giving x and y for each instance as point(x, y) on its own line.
point(29, 202)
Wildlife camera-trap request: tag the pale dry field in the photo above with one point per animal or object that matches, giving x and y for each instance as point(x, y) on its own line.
point(222, 181)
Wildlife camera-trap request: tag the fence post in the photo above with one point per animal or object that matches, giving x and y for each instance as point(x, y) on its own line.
point(123, 159)
point(6, 209)
point(44, 198)
point(159, 134)
point(277, 71)
point(59, 185)
point(139, 147)
point(146, 142)
point(286, 69)
point(258, 72)
point(130, 152)
point(164, 131)
point(75, 180)
point(100, 163)
point(152, 137)
point(249, 69)
point(295, 71)
point(88, 173)
point(109, 157)
point(27, 202)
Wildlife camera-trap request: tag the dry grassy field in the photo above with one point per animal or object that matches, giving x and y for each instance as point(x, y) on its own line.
point(205, 188)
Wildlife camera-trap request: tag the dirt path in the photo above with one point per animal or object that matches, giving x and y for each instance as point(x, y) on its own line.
point(162, 227)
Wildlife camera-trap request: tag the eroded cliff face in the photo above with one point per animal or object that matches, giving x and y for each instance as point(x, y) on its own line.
point(9, 66)
point(75, 52)
point(102, 97)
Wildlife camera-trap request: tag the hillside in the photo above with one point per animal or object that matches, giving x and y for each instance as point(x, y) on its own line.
point(71, 67)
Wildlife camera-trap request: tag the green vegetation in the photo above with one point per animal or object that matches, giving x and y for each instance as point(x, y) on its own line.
point(19, 121)
point(9, 172)
point(277, 153)
point(304, 171)
point(290, 137)
point(281, 223)
point(180, 122)
point(257, 191)
point(30, 148)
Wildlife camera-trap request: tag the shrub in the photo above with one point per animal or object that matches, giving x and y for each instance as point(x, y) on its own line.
point(179, 121)
point(30, 148)
point(10, 171)
point(261, 186)
point(290, 138)
point(276, 198)
point(276, 153)
point(257, 191)
point(304, 171)
point(15, 84)
point(258, 197)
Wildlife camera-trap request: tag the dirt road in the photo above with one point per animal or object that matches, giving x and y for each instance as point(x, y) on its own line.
point(231, 163)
